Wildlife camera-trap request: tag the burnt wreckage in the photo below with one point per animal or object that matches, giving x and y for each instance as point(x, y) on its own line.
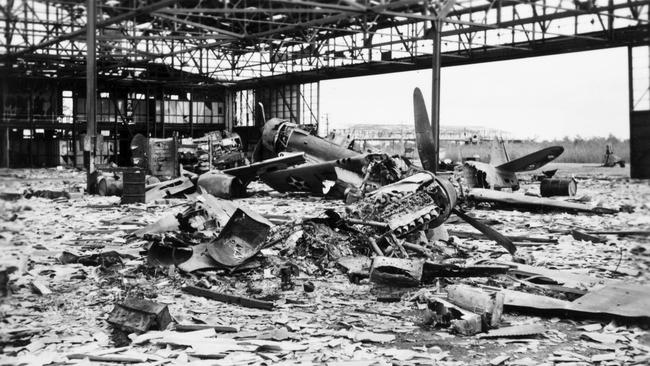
point(396, 203)
point(392, 205)
point(388, 238)
point(290, 159)
point(389, 230)
point(330, 170)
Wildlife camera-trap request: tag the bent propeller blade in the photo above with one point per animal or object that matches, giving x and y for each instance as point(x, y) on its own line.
point(487, 231)
point(423, 132)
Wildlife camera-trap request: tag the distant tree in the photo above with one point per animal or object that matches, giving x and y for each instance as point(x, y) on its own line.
point(577, 140)
point(612, 139)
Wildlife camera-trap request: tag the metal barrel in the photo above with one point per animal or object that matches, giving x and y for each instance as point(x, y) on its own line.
point(558, 187)
point(109, 186)
point(133, 187)
point(221, 185)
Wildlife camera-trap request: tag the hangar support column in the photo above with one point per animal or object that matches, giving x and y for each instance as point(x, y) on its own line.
point(4, 130)
point(639, 97)
point(436, 29)
point(435, 90)
point(91, 97)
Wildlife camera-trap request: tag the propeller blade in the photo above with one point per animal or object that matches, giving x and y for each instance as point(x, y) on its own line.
point(423, 133)
point(487, 231)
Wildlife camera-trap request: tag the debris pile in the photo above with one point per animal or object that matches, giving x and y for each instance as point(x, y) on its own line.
point(327, 256)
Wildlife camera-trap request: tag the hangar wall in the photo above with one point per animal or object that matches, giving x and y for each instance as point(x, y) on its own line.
point(41, 120)
point(639, 94)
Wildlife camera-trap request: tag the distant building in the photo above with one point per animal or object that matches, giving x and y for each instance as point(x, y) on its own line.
point(457, 134)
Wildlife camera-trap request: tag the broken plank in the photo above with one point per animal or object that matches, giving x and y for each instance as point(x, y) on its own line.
point(217, 328)
point(40, 288)
point(621, 232)
point(499, 360)
point(515, 331)
point(108, 358)
point(229, 299)
point(517, 300)
point(519, 244)
point(487, 304)
point(515, 238)
point(432, 271)
point(583, 236)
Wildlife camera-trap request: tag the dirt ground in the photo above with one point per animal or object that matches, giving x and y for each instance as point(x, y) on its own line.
point(339, 323)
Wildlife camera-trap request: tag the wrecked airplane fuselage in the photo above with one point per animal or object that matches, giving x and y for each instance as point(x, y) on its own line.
point(332, 170)
point(280, 135)
point(503, 176)
point(483, 175)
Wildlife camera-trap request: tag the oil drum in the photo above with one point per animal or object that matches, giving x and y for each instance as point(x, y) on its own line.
point(558, 187)
point(221, 185)
point(109, 186)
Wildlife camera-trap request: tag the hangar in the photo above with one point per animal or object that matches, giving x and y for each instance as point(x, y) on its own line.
point(110, 69)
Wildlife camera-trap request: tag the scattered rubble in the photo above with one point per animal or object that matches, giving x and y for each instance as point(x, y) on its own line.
point(376, 261)
point(139, 315)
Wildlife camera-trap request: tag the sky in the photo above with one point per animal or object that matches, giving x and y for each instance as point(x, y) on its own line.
point(577, 94)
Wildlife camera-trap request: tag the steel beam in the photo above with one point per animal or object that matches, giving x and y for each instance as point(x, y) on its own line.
point(435, 76)
point(541, 47)
point(302, 32)
point(139, 11)
point(435, 89)
point(91, 91)
point(229, 35)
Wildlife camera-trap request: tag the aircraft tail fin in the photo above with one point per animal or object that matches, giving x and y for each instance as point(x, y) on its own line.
point(498, 152)
point(423, 132)
point(534, 160)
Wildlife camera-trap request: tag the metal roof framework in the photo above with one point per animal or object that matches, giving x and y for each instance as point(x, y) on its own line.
point(245, 43)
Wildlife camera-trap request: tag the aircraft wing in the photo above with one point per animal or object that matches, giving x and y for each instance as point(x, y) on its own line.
point(248, 172)
point(423, 132)
point(520, 201)
point(304, 178)
point(533, 161)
